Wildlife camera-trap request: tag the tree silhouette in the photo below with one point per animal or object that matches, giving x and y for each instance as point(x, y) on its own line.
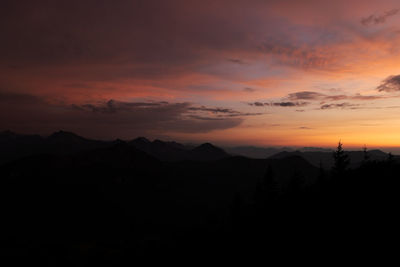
point(366, 156)
point(341, 160)
point(267, 189)
point(296, 184)
point(321, 178)
point(390, 158)
point(236, 210)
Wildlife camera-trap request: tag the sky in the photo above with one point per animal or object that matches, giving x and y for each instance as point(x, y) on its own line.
point(231, 72)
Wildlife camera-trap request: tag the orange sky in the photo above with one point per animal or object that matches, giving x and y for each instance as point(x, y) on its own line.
point(302, 73)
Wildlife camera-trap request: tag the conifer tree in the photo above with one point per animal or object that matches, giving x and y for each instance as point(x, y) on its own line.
point(341, 160)
point(267, 189)
point(365, 154)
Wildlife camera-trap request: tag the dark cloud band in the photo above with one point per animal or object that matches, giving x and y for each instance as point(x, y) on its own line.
point(390, 84)
point(35, 114)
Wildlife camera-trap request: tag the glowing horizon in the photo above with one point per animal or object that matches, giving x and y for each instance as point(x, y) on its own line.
point(267, 73)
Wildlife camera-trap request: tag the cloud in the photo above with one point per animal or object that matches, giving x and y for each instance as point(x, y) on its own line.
point(305, 95)
point(213, 110)
point(236, 61)
point(344, 105)
point(290, 104)
point(9, 98)
point(249, 89)
point(310, 95)
point(140, 50)
point(279, 104)
point(205, 118)
point(150, 38)
point(242, 114)
point(390, 84)
point(306, 98)
point(366, 97)
point(27, 113)
point(113, 106)
point(305, 128)
point(306, 57)
point(373, 19)
point(258, 104)
point(183, 50)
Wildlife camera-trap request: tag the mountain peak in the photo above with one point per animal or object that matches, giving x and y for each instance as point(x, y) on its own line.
point(118, 141)
point(63, 133)
point(208, 146)
point(7, 133)
point(159, 142)
point(208, 151)
point(11, 136)
point(141, 139)
point(63, 136)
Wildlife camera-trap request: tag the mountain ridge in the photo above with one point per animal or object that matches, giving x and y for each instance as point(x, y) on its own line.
point(326, 159)
point(14, 146)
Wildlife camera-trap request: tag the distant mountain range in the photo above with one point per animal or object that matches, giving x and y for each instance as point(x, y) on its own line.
point(172, 151)
point(14, 146)
point(148, 182)
point(264, 152)
point(325, 159)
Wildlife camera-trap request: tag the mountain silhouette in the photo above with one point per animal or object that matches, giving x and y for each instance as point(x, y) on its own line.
point(66, 138)
point(14, 146)
point(173, 151)
point(207, 151)
point(326, 159)
point(165, 151)
point(129, 199)
point(255, 152)
point(264, 152)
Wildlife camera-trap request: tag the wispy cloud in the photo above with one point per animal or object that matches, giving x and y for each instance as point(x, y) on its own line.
point(305, 98)
point(236, 61)
point(305, 95)
point(379, 19)
point(36, 114)
point(279, 104)
point(344, 105)
point(390, 84)
point(214, 110)
point(249, 89)
point(310, 95)
point(290, 104)
point(306, 57)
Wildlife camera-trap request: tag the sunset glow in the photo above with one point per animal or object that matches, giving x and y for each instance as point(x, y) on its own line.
point(281, 73)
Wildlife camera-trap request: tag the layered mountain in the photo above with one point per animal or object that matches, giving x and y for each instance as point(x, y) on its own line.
point(325, 159)
point(14, 146)
point(256, 152)
point(172, 151)
point(89, 192)
point(265, 152)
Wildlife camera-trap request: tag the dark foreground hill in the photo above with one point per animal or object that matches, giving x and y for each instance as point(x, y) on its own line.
point(118, 205)
point(118, 199)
